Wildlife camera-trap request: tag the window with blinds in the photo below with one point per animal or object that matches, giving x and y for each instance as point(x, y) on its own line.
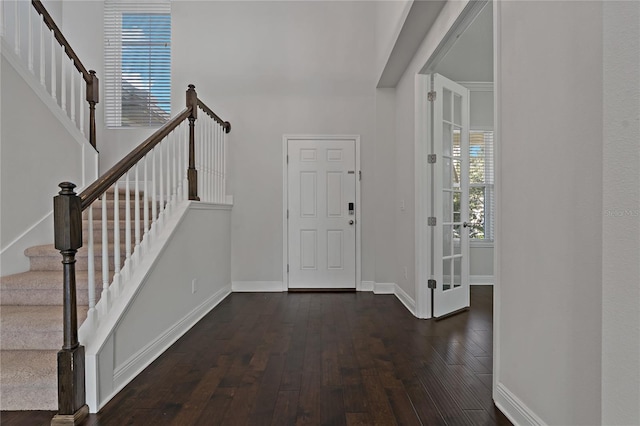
point(137, 63)
point(481, 185)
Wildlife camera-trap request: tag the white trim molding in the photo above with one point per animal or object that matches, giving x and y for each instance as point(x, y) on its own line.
point(367, 286)
point(384, 288)
point(481, 279)
point(257, 286)
point(406, 300)
point(126, 372)
point(514, 409)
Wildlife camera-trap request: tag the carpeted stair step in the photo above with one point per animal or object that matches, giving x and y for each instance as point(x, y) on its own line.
point(97, 210)
point(33, 327)
point(47, 258)
point(44, 288)
point(97, 230)
point(28, 380)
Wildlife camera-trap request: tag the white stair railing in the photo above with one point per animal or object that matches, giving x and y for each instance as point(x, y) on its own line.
point(36, 40)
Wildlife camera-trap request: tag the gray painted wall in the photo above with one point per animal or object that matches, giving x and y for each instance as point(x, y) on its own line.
point(550, 172)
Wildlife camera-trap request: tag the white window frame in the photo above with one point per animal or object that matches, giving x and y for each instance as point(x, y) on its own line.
point(489, 215)
point(113, 13)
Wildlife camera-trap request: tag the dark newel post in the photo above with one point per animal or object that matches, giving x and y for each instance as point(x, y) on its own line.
point(93, 92)
point(67, 217)
point(192, 173)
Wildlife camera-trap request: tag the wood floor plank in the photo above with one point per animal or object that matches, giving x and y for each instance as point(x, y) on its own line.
point(311, 359)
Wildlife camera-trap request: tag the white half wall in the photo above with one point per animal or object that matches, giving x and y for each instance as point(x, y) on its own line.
point(188, 278)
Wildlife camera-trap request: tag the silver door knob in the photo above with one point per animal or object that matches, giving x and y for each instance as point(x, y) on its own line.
point(351, 222)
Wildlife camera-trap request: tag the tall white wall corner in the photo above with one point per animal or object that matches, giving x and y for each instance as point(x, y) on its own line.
point(366, 286)
point(406, 300)
point(515, 410)
point(257, 286)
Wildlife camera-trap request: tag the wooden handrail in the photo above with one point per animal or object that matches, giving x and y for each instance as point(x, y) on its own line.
point(207, 110)
point(67, 212)
point(90, 78)
point(99, 187)
point(48, 20)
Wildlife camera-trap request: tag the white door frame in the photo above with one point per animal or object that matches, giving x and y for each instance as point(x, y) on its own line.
point(285, 202)
point(423, 109)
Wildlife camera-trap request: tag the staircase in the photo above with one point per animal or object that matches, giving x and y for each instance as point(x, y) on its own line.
point(31, 316)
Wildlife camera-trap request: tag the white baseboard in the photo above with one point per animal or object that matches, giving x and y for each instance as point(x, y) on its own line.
point(366, 286)
point(12, 258)
point(406, 300)
point(256, 286)
point(126, 372)
point(514, 409)
point(384, 288)
point(481, 279)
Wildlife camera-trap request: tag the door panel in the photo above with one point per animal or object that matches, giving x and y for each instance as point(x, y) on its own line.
point(450, 194)
point(321, 238)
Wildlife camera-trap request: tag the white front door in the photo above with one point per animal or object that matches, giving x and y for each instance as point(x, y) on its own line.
point(321, 228)
point(450, 191)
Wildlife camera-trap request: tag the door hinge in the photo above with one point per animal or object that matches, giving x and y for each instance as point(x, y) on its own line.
point(287, 268)
point(287, 213)
point(359, 175)
point(431, 221)
point(431, 96)
point(431, 283)
point(431, 158)
point(287, 159)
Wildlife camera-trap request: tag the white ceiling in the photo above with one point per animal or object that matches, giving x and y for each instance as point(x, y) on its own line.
point(471, 57)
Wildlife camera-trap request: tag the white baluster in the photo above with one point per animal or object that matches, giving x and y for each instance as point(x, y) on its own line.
point(53, 67)
point(185, 147)
point(72, 95)
point(91, 269)
point(16, 28)
point(179, 160)
point(127, 227)
point(161, 185)
point(167, 143)
point(174, 175)
point(42, 61)
point(202, 170)
point(145, 237)
point(136, 216)
point(63, 81)
point(217, 161)
point(116, 240)
point(154, 208)
point(104, 298)
point(30, 38)
point(221, 164)
point(214, 170)
point(1, 18)
point(224, 166)
point(83, 96)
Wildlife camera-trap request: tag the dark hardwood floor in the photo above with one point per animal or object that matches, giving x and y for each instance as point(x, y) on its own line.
point(314, 359)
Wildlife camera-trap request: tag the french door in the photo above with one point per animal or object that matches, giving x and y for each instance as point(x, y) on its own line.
point(450, 196)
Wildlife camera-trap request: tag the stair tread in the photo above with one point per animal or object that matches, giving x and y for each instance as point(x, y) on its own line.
point(38, 317)
point(29, 368)
point(36, 280)
point(28, 380)
point(50, 250)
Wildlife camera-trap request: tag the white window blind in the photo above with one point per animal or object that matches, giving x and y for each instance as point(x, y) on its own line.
point(481, 185)
point(137, 63)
